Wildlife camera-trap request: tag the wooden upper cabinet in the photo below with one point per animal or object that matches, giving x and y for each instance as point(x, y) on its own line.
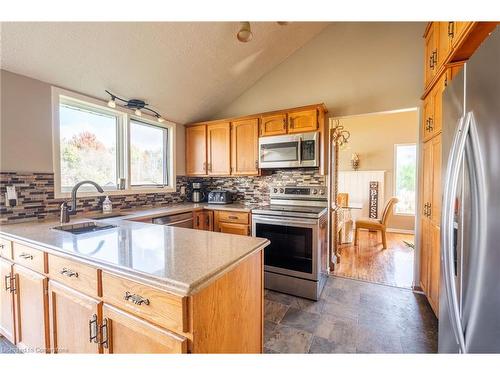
point(431, 52)
point(302, 121)
point(219, 149)
point(275, 124)
point(124, 333)
point(428, 117)
point(445, 40)
point(7, 301)
point(245, 147)
point(457, 30)
point(196, 150)
point(31, 310)
point(74, 320)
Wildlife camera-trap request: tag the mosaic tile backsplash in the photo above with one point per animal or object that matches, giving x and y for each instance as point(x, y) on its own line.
point(36, 199)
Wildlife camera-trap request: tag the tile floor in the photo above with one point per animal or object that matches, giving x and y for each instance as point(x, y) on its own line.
point(351, 317)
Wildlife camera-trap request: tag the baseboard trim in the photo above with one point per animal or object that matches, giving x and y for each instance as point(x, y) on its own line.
point(397, 230)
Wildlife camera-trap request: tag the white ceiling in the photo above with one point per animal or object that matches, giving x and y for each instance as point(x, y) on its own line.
point(188, 71)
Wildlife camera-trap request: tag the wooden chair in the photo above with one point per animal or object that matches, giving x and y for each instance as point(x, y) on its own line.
point(342, 199)
point(378, 225)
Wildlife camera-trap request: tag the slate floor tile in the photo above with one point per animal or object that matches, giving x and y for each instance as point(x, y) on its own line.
point(286, 339)
point(274, 311)
point(300, 319)
point(322, 345)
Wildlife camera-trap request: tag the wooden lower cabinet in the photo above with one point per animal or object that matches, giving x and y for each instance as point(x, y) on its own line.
point(232, 222)
point(241, 229)
point(125, 333)
point(434, 267)
point(31, 310)
point(74, 319)
point(203, 220)
point(424, 255)
point(7, 301)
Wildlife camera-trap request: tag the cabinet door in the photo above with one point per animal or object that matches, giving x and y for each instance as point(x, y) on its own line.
point(124, 333)
point(302, 121)
point(437, 102)
point(231, 228)
point(245, 147)
point(430, 62)
point(219, 149)
point(434, 267)
point(196, 150)
point(427, 176)
point(31, 310)
point(435, 207)
point(273, 125)
point(428, 116)
point(424, 256)
point(459, 28)
point(203, 220)
point(445, 33)
point(7, 301)
point(74, 319)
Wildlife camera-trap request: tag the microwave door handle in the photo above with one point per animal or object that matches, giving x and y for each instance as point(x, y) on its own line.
point(300, 150)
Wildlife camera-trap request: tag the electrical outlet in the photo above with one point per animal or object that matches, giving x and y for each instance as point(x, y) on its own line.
point(183, 190)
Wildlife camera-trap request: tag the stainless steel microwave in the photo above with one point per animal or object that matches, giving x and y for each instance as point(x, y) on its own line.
point(289, 151)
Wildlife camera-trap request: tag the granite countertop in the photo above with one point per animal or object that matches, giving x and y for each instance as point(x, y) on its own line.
point(179, 260)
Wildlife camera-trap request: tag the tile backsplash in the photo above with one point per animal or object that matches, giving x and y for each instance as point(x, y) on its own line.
point(36, 199)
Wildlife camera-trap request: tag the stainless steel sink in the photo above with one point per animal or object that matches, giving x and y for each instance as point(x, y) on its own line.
point(106, 216)
point(86, 227)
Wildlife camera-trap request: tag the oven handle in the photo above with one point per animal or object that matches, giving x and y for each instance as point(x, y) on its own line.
point(300, 150)
point(283, 220)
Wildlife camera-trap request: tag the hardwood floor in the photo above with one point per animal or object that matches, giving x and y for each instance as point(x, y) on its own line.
point(368, 261)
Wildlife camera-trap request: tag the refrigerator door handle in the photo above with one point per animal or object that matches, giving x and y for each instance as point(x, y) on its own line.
point(450, 191)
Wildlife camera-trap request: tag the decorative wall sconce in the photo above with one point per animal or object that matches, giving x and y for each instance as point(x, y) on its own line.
point(355, 161)
point(339, 135)
point(136, 104)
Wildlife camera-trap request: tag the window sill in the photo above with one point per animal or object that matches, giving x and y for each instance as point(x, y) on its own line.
point(401, 214)
point(130, 191)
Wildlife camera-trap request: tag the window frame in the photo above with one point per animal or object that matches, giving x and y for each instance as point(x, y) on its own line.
point(395, 179)
point(124, 117)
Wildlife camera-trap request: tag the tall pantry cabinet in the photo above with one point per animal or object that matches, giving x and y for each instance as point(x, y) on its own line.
point(447, 45)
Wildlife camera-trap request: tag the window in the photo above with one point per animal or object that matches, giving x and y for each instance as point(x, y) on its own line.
point(94, 142)
point(405, 177)
point(88, 146)
point(147, 154)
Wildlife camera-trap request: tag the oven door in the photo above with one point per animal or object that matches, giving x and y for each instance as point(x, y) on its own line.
point(289, 151)
point(294, 245)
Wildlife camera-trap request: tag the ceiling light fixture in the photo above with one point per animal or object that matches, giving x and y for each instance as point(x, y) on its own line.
point(134, 104)
point(245, 33)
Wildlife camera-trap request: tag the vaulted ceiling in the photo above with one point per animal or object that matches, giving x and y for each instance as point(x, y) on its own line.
point(188, 71)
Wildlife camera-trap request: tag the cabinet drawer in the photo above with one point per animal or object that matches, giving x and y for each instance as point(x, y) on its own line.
point(76, 275)
point(155, 305)
point(240, 229)
point(33, 259)
point(5, 248)
point(234, 217)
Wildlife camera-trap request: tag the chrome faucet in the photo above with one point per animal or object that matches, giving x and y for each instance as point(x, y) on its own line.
point(65, 210)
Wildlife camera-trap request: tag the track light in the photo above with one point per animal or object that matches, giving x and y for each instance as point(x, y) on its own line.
point(245, 33)
point(137, 105)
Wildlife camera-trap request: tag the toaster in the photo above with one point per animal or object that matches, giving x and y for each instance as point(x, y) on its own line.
point(220, 197)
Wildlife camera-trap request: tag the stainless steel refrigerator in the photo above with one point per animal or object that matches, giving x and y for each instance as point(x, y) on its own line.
point(469, 307)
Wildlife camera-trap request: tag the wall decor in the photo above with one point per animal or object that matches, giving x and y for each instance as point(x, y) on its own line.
point(373, 209)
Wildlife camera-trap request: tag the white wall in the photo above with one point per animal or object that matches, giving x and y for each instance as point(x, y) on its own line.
point(26, 126)
point(353, 67)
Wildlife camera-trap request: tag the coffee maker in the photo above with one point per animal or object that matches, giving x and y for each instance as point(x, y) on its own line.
point(197, 193)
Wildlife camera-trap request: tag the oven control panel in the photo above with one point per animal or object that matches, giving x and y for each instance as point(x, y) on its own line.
point(291, 192)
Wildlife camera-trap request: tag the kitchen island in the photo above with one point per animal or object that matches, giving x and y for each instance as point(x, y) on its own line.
point(131, 288)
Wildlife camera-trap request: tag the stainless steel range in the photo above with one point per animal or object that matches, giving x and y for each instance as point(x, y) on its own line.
point(296, 224)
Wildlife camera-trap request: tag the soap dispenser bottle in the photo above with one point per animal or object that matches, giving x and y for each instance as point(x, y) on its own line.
point(107, 205)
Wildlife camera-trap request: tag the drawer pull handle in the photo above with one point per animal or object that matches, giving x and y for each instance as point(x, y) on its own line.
point(2, 246)
point(104, 334)
point(68, 272)
point(93, 329)
point(7, 282)
point(136, 299)
point(26, 256)
point(233, 217)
